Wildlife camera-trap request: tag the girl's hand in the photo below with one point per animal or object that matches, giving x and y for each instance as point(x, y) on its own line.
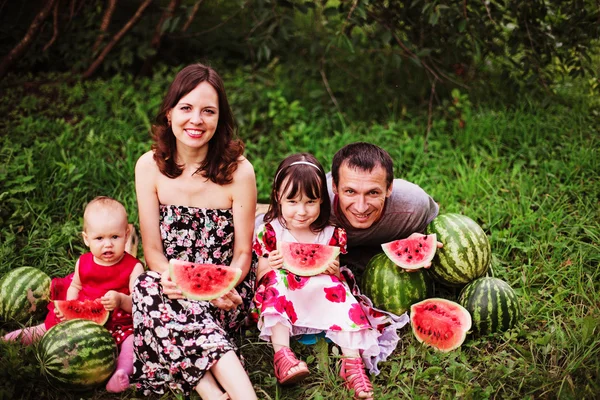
point(170, 289)
point(333, 268)
point(111, 300)
point(439, 245)
point(275, 259)
point(229, 301)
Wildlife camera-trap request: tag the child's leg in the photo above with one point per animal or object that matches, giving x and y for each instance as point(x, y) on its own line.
point(28, 335)
point(280, 338)
point(356, 374)
point(119, 381)
point(230, 373)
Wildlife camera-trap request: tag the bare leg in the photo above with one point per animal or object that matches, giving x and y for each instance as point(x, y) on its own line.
point(353, 353)
point(280, 337)
point(228, 371)
point(209, 389)
point(119, 381)
point(28, 335)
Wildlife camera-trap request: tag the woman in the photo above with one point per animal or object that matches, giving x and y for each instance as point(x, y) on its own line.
point(196, 198)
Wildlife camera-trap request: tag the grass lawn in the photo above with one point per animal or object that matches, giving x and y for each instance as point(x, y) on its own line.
point(528, 174)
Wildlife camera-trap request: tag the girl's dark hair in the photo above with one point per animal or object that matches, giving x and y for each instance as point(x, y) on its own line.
point(224, 149)
point(297, 179)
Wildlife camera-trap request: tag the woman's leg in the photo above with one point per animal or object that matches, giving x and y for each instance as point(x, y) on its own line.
point(119, 381)
point(28, 335)
point(209, 389)
point(230, 373)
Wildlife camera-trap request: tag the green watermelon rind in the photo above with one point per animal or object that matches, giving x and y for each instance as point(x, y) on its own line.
point(14, 286)
point(90, 305)
point(466, 252)
point(388, 249)
point(78, 353)
point(234, 276)
point(463, 325)
point(493, 305)
point(391, 288)
point(302, 270)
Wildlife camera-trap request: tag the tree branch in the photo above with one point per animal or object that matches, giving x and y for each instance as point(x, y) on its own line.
point(20, 49)
point(157, 37)
point(98, 61)
point(220, 24)
point(55, 27)
point(106, 18)
point(326, 83)
point(429, 114)
point(192, 15)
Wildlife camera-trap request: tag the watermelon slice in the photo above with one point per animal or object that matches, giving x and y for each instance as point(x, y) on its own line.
point(307, 259)
point(91, 310)
point(203, 281)
point(440, 323)
point(414, 252)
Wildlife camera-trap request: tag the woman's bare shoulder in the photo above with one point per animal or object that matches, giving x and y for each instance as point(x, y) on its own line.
point(244, 169)
point(146, 160)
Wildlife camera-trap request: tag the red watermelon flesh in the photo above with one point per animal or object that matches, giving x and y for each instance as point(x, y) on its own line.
point(203, 281)
point(91, 310)
point(440, 323)
point(307, 259)
point(414, 252)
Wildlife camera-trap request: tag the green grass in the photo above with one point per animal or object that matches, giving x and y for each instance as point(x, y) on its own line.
point(528, 174)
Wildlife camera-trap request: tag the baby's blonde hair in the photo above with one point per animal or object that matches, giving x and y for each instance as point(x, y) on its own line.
point(103, 203)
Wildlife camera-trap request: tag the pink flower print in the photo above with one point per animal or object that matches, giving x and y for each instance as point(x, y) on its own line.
point(291, 312)
point(217, 254)
point(336, 294)
point(269, 279)
point(220, 233)
point(357, 315)
point(269, 297)
point(280, 304)
point(296, 282)
point(335, 328)
point(170, 251)
point(269, 238)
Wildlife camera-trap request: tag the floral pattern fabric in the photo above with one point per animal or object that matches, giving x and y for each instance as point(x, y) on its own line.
point(177, 341)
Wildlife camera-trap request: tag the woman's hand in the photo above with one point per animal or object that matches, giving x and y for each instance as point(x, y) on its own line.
point(229, 301)
point(275, 259)
point(170, 289)
point(333, 268)
point(111, 300)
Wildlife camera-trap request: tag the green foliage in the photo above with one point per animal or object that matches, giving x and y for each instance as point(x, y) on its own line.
point(528, 174)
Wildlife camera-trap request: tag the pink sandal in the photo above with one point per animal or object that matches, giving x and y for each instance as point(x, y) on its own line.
point(353, 372)
point(283, 361)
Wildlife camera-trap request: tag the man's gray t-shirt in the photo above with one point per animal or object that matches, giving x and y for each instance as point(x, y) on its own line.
point(409, 209)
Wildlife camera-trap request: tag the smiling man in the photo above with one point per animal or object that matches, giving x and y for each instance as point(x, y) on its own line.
point(371, 205)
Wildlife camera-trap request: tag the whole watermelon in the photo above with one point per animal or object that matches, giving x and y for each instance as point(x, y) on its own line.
point(391, 288)
point(492, 303)
point(24, 293)
point(466, 253)
point(78, 354)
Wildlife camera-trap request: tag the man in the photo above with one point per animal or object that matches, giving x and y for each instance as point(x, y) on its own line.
point(373, 207)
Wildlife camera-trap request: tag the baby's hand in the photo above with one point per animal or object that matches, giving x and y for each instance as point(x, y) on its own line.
point(58, 314)
point(111, 300)
point(170, 289)
point(275, 259)
point(229, 301)
point(333, 268)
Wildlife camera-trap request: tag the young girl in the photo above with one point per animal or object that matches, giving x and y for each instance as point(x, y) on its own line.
point(196, 196)
point(291, 305)
point(107, 273)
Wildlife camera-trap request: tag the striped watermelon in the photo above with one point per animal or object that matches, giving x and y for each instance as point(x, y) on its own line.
point(392, 288)
point(492, 303)
point(466, 253)
point(24, 292)
point(78, 353)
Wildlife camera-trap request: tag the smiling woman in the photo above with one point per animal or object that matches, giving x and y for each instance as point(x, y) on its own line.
point(196, 197)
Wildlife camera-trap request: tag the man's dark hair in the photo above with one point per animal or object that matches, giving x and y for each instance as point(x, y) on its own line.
point(364, 157)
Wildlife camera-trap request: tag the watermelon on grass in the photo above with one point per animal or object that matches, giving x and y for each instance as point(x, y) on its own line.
point(440, 323)
point(78, 354)
point(24, 293)
point(307, 259)
point(466, 253)
point(203, 281)
point(414, 252)
point(92, 310)
point(493, 305)
point(391, 288)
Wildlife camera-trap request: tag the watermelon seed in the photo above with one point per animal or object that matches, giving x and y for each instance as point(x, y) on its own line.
point(416, 250)
point(410, 257)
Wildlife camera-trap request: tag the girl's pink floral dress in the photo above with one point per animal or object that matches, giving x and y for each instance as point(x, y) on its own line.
point(321, 303)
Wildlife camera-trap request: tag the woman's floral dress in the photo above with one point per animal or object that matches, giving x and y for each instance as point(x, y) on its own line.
point(321, 303)
point(177, 341)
